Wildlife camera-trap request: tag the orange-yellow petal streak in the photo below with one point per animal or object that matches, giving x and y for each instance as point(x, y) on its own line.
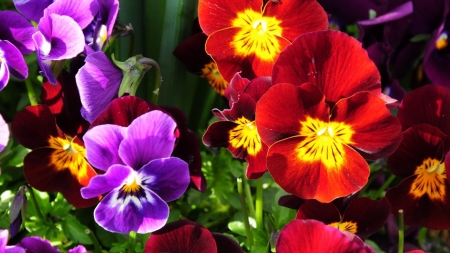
point(245, 135)
point(345, 226)
point(215, 79)
point(430, 180)
point(257, 35)
point(324, 142)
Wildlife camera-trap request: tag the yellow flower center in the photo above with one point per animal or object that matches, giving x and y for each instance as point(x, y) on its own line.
point(442, 41)
point(324, 142)
point(431, 180)
point(345, 226)
point(245, 135)
point(215, 79)
point(257, 36)
point(132, 187)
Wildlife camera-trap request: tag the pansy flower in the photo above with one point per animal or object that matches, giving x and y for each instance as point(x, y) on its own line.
point(180, 235)
point(314, 236)
point(424, 194)
point(101, 28)
point(248, 36)
point(4, 133)
point(236, 129)
point(140, 176)
point(362, 216)
point(122, 111)
point(57, 161)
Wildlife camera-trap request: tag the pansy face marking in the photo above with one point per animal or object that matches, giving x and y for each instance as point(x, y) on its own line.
point(345, 226)
point(257, 35)
point(245, 135)
point(324, 142)
point(442, 41)
point(211, 73)
point(430, 180)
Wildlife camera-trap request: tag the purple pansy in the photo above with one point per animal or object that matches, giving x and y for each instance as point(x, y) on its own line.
point(98, 82)
point(4, 133)
point(99, 31)
point(32, 9)
point(17, 30)
point(11, 61)
point(140, 174)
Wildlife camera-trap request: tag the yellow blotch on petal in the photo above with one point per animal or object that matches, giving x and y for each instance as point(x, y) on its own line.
point(345, 226)
point(132, 187)
point(245, 135)
point(257, 35)
point(215, 79)
point(442, 41)
point(431, 180)
point(324, 142)
point(68, 155)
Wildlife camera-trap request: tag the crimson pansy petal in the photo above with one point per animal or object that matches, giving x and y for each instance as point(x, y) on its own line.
point(98, 82)
point(143, 215)
point(236, 86)
point(82, 11)
point(226, 244)
point(101, 184)
point(177, 236)
point(17, 30)
point(4, 133)
point(379, 134)
point(433, 108)
point(169, 184)
point(150, 136)
point(102, 145)
point(324, 212)
point(332, 60)
point(314, 236)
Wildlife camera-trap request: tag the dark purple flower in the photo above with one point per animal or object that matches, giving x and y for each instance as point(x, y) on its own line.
point(140, 174)
point(17, 210)
point(98, 83)
point(17, 30)
point(11, 61)
point(59, 38)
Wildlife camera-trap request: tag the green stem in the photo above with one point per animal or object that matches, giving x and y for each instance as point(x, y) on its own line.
point(132, 242)
point(248, 229)
point(30, 91)
point(97, 247)
point(401, 231)
point(157, 84)
point(385, 185)
point(259, 203)
point(249, 197)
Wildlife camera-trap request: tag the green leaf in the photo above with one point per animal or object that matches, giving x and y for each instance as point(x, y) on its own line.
point(60, 206)
point(73, 229)
point(238, 227)
point(421, 37)
point(422, 234)
point(261, 239)
point(372, 14)
point(374, 246)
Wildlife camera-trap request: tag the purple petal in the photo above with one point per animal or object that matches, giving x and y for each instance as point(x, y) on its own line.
point(167, 177)
point(142, 215)
point(17, 30)
point(14, 249)
point(82, 11)
point(3, 239)
point(36, 244)
point(100, 184)
point(98, 83)
point(149, 136)
point(4, 133)
point(397, 13)
point(102, 145)
point(32, 9)
point(64, 35)
point(108, 13)
point(78, 249)
point(4, 75)
point(45, 65)
point(436, 65)
point(14, 59)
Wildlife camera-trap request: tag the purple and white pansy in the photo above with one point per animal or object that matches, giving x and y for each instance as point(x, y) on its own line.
point(140, 175)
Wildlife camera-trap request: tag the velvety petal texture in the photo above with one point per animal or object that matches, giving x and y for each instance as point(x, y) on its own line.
point(319, 151)
point(98, 82)
point(81, 11)
point(17, 30)
point(314, 236)
point(32, 9)
point(333, 61)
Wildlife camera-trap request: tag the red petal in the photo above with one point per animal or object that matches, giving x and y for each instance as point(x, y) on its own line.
point(280, 111)
point(34, 125)
point(220, 46)
point(419, 143)
point(332, 60)
point(48, 169)
point(324, 212)
point(429, 104)
point(178, 236)
point(315, 179)
point(379, 134)
point(299, 16)
point(300, 236)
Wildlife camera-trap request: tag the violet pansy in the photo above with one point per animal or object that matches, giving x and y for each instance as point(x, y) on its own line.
point(140, 174)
